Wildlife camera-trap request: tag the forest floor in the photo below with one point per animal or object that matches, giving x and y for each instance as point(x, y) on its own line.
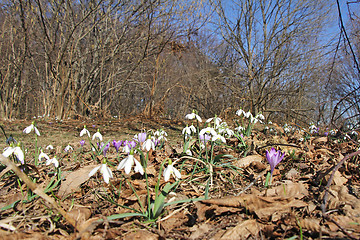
point(222, 194)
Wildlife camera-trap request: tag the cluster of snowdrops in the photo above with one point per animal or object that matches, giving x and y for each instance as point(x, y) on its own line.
point(214, 132)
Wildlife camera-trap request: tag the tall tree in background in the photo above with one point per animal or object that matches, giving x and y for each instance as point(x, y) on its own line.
point(276, 50)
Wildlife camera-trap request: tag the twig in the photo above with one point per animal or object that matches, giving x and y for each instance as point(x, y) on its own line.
point(253, 182)
point(34, 188)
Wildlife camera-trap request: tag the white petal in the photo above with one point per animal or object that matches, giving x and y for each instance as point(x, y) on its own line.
point(28, 129)
point(36, 131)
point(167, 173)
point(94, 171)
point(127, 165)
point(106, 172)
point(121, 164)
point(138, 167)
point(19, 153)
point(177, 173)
point(8, 151)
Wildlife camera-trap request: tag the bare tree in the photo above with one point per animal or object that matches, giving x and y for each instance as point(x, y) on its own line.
point(275, 46)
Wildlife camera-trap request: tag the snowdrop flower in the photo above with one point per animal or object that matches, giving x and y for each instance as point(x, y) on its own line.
point(148, 144)
point(104, 170)
point(188, 152)
point(170, 170)
point(127, 164)
point(260, 116)
point(239, 129)
point(85, 131)
point(208, 130)
point(216, 120)
point(161, 134)
point(218, 137)
point(30, 128)
point(53, 161)
point(242, 112)
point(68, 148)
point(270, 122)
point(188, 130)
point(253, 119)
point(43, 155)
point(97, 136)
point(274, 157)
point(14, 150)
point(193, 115)
point(49, 147)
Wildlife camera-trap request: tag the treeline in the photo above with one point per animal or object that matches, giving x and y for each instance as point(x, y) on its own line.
point(163, 58)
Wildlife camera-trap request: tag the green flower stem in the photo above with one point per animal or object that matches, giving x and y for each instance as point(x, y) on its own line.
point(36, 150)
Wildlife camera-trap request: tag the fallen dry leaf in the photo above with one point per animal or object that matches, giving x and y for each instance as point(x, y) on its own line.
point(242, 231)
point(246, 161)
point(72, 181)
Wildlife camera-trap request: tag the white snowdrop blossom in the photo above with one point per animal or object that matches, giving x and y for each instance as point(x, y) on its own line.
point(242, 112)
point(49, 147)
point(239, 129)
point(208, 130)
point(188, 152)
point(43, 155)
point(104, 170)
point(218, 137)
point(84, 131)
point(97, 136)
point(171, 170)
point(30, 128)
point(127, 164)
point(161, 134)
point(53, 161)
point(188, 130)
point(260, 116)
point(193, 115)
point(68, 148)
point(253, 119)
point(216, 120)
point(14, 150)
point(148, 144)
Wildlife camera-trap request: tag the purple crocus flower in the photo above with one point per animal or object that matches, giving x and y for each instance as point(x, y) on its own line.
point(106, 148)
point(132, 144)
point(82, 142)
point(156, 142)
point(141, 137)
point(274, 157)
point(117, 145)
